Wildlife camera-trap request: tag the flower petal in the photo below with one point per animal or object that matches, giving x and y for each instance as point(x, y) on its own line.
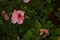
point(20, 21)
point(14, 20)
point(21, 12)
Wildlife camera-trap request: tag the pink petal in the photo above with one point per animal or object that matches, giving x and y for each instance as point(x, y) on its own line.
point(6, 17)
point(41, 33)
point(44, 31)
point(26, 1)
point(21, 12)
point(14, 13)
point(14, 17)
point(20, 21)
point(14, 20)
point(3, 12)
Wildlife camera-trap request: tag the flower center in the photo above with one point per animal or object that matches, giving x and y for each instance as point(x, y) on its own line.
point(19, 15)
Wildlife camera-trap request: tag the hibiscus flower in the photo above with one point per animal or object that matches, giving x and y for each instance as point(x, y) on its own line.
point(44, 32)
point(17, 17)
point(26, 1)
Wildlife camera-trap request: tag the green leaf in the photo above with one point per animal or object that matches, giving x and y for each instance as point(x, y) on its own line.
point(58, 15)
point(29, 34)
point(58, 31)
point(49, 1)
point(37, 24)
point(43, 20)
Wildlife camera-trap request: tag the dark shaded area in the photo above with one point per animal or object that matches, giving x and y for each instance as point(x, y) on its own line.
point(54, 19)
point(57, 2)
point(52, 16)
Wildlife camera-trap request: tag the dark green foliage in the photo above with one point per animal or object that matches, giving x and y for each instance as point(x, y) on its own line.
point(38, 12)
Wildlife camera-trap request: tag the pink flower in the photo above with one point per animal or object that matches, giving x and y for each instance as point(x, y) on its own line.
point(17, 17)
point(6, 17)
point(4, 14)
point(44, 32)
point(26, 1)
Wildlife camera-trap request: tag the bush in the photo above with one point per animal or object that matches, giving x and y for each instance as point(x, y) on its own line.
point(38, 14)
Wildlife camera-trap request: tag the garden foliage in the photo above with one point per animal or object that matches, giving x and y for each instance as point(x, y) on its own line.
point(39, 14)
